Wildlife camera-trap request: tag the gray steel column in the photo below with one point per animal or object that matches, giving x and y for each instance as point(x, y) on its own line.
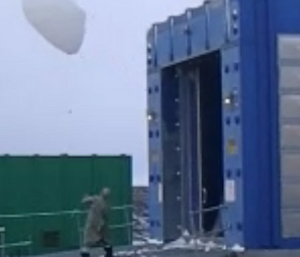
point(185, 153)
point(196, 74)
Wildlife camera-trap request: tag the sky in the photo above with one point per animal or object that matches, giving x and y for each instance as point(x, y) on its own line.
point(90, 103)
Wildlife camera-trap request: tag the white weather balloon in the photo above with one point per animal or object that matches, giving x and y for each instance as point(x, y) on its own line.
point(60, 22)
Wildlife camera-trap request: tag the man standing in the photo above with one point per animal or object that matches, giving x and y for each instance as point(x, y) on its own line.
point(96, 227)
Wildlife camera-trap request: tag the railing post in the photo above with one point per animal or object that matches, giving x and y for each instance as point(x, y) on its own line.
point(128, 222)
point(30, 252)
point(70, 213)
point(2, 234)
point(79, 229)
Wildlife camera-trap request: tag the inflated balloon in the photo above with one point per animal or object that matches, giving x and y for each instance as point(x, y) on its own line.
point(60, 22)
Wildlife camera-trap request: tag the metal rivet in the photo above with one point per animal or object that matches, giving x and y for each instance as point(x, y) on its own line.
point(237, 120)
point(235, 29)
point(239, 226)
point(234, 14)
point(150, 134)
point(236, 66)
point(238, 173)
point(156, 89)
point(228, 121)
point(226, 69)
point(149, 91)
point(149, 47)
point(151, 178)
point(229, 174)
point(149, 60)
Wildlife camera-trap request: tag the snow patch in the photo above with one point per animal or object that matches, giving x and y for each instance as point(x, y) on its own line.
point(60, 22)
point(194, 244)
point(154, 241)
point(238, 248)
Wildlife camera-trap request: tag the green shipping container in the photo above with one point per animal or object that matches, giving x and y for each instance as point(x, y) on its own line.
point(40, 200)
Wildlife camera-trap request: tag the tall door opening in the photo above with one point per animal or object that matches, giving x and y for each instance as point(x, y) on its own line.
point(192, 146)
point(200, 109)
point(211, 141)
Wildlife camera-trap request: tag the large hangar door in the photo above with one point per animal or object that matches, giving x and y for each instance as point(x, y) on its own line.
point(192, 146)
point(201, 142)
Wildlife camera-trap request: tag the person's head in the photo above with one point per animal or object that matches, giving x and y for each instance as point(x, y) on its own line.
point(105, 192)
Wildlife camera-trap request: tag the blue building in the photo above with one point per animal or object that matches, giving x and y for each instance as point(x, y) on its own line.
point(224, 123)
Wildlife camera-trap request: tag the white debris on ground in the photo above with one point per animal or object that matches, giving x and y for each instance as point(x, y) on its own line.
point(60, 22)
point(140, 228)
point(149, 249)
point(154, 241)
point(143, 245)
point(147, 241)
point(238, 248)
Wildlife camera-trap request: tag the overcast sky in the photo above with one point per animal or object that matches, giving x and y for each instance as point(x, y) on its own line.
point(91, 103)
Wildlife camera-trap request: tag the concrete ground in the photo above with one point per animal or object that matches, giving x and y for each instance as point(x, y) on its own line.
point(155, 251)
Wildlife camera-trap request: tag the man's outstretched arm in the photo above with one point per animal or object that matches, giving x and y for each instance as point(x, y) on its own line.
point(88, 199)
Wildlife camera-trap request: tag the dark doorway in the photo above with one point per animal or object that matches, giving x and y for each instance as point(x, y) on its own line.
point(211, 138)
point(192, 145)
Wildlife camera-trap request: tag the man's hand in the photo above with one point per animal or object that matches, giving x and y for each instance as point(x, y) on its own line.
point(88, 199)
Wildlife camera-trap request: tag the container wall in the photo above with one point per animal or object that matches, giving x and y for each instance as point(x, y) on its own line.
point(259, 42)
point(178, 42)
point(52, 185)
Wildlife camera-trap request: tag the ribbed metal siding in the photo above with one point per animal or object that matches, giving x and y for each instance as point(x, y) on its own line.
point(30, 184)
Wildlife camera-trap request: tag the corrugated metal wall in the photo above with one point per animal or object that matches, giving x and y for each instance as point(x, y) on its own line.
point(52, 184)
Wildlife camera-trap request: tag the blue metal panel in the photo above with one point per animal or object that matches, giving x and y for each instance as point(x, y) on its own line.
point(152, 209)
point(180, 40)
point(154, 152)
point(151, 54)
point(163, 43)
point(255, 110)
point(171, 156)
point(198, 30)
point(216, 24)
point(246, 33)
point(232, 25)
point(259, 61)
point(250, 116)
point(233, 214)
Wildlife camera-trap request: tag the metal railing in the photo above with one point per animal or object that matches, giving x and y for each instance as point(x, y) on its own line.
point(202, 212)
point(212, 236)
point(73, 214)
point(196, 236)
